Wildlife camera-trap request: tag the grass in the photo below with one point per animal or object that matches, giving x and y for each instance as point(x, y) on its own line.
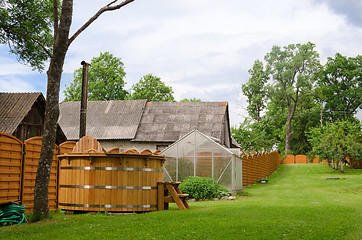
point(297, 203)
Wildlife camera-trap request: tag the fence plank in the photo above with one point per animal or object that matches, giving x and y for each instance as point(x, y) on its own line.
point(11, 153)
point(300, 159)
point(31, 160)
point(66, 147)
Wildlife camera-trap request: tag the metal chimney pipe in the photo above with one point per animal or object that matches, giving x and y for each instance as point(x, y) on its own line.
point(83, 101)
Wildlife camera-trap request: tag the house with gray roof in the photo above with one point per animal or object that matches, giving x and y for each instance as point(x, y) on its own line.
point(138, 124)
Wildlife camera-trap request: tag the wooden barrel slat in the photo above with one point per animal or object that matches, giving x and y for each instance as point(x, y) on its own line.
point(109, 182)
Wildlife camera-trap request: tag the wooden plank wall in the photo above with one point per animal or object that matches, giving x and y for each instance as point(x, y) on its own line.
point(299, 159)
point(32, 154)
point(259, 166)
point(11, 154)
point(18, 166)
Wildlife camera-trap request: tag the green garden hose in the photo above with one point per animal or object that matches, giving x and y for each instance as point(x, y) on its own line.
point(11, 214)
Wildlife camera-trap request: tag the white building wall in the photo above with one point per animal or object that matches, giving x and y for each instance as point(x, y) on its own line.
point(126, 145)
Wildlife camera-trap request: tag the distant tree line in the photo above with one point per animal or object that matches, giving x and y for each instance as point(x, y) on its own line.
point(106, 82)
point(290, 93)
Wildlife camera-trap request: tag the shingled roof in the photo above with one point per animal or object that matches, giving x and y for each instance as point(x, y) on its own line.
point(168, 121)
point(105, 119)
point(142, 121)
point(14, 107)
point(15, 110)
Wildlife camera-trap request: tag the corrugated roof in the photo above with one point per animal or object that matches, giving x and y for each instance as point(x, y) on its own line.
point(168, 121)
point(14, 107)
point(105, 119)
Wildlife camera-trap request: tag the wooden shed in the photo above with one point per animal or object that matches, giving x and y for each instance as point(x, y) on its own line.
point(22, 115)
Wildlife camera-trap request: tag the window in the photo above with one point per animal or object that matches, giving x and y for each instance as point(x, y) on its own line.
point(161, 147)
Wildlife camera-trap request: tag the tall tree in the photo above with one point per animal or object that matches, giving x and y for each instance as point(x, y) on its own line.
point(151, 88)
point(25, 30)
point(292, 69)
point(340, 86)
point(105, 80)
point(255, 90)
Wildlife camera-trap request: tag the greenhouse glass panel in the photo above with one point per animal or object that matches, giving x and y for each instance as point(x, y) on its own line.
point(225, 178)
point(169, 171)
point(238, 183)
point(196, 154)
point(204, 164)
point(185, 168)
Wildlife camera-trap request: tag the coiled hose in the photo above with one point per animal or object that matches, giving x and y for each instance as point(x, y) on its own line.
point(12, 214)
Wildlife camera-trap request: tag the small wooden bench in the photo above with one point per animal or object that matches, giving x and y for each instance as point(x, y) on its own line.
point(163, 190)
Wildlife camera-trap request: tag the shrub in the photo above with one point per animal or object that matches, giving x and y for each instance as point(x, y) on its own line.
point(203, 188)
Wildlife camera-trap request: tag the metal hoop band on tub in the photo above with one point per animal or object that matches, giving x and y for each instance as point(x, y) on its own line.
point(113, 169)
point(106, 206)
point(108, 187)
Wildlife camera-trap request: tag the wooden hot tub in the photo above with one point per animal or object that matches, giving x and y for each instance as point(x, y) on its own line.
point(91, 179)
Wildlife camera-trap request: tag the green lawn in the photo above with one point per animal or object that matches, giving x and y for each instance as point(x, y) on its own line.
point(297, 203)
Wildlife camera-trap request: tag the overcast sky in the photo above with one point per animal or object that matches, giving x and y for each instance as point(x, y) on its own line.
point(201, 48)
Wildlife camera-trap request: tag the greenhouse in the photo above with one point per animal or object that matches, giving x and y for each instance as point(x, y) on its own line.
point(196, 154)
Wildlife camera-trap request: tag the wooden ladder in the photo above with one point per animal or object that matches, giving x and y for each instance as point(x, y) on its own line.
point(163, 190)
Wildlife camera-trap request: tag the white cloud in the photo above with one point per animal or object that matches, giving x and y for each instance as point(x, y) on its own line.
point(15, 84)
point(9, 66)
point(202, 48)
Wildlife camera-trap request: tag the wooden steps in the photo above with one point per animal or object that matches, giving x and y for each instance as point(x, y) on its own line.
point(163, 190)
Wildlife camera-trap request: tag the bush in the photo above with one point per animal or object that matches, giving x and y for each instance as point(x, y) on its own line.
point(203, 188)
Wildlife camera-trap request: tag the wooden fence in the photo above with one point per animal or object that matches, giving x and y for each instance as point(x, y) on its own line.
point(299, 159)
point(259, 166)
point(18, 167)
point(302, 159)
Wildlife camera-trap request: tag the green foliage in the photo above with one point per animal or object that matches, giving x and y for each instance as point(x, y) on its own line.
point(151, 88)
point(26, 26)
point(255, 90)
point(190, 100)
point(340, 86)
point(336, 141)
point(307, 116)
point(292, 68)
point(255, 137)
point(284, 90)
point(203, 188)
point(105, 80)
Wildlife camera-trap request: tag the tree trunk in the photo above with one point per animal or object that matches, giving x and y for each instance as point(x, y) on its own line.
point(342, 163)
point(289, 133)
point(342, 168)
point(41, 205)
